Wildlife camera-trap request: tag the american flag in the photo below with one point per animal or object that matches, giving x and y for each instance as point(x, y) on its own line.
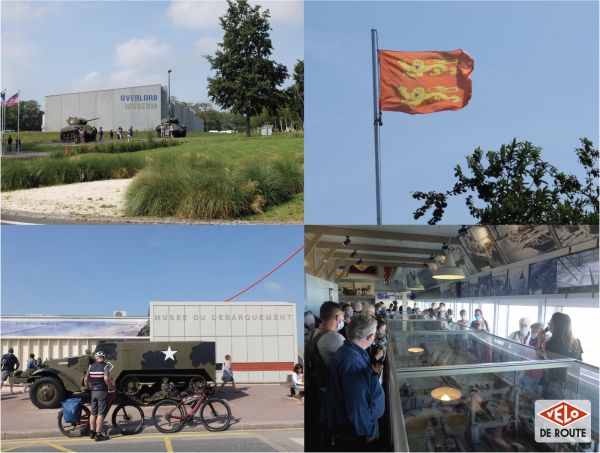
point(13, 100)
point(3, 94)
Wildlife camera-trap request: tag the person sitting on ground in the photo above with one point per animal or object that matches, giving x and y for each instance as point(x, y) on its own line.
point(297, 381)
point(9, 365)
point(355, 400)
point(227, 374)
point(523, 335)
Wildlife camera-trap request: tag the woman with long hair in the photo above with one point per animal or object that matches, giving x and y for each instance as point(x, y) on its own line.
point(564, 343)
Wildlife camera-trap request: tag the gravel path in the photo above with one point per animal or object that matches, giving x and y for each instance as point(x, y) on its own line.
point(86, 199)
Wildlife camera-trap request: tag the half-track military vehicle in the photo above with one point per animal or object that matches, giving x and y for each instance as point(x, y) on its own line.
point(145, 371)
point(179, 130)
point(71, 133)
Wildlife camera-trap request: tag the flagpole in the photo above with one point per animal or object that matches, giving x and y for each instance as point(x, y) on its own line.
point(18, 145)
point(376, 121)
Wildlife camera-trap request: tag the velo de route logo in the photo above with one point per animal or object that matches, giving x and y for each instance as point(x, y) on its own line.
point(563, 421)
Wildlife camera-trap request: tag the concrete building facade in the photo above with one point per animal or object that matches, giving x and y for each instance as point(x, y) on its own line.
point(140, 107)
point(261, 337)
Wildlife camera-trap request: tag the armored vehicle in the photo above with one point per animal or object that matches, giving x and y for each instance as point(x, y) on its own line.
point(71, 132)
point(145, 371)
point(179, 130)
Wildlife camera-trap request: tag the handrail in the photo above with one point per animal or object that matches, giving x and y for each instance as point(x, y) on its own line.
point(397, 427)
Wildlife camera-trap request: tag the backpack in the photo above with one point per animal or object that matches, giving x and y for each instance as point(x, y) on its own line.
point(317, 371)
point(71, 410)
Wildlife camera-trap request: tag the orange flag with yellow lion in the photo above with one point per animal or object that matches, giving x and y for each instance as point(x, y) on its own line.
point(424, 82)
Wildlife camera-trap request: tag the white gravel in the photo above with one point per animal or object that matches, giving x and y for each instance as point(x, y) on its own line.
point(86, 199)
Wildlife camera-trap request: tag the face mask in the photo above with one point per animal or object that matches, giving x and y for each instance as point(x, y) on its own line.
point(478, 317)
point(524, 331)
point(443, 312)
point(340, 325)
point(463, 317)
point(349, 313)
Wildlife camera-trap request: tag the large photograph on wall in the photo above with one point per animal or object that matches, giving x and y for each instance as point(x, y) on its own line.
point(519, 242)
point(74, 327)
point(542, 277)
point(485, 286)
point(517, 281)
point(577, 272)
point(500, 283)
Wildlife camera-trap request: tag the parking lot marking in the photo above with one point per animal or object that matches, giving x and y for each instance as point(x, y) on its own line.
point(136, 438)
point(13, 448)
point(168, 444)
point(57, 447)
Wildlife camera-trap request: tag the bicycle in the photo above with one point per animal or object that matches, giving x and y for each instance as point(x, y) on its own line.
point(127, 417)
point(170, 416)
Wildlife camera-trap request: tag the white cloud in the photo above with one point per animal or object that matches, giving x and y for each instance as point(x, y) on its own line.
point(140, 52)
point(273, 287)
point(207, 45)
point(24, 11)
point(205, 14)
point(196, 14)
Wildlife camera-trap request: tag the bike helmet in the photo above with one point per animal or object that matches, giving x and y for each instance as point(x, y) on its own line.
point(99, 354)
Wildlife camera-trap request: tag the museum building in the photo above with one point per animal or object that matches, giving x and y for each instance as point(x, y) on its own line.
point(140, 107)
point(261, 337)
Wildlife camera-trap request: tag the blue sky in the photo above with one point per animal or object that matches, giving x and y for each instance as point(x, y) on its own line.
point(94, 270)
point(60, 47)
point(535, 78)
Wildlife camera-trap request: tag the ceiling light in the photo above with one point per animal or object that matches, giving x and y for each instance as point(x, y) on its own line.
point(359, 262)
point(444, 246)
point(432, 258)
point(346, 241)
point(353, 254)
point(446, 393)
point(449, 270)
point(416, 350)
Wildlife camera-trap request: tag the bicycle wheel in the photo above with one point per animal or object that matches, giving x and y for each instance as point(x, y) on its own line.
point(215, 414)
point(168, 416)
point(81, 428)
point(128, 418)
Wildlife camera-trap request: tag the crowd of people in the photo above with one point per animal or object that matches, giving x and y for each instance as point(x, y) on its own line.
point(345, 350)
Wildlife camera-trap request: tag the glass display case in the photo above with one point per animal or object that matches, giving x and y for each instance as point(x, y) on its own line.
point(456, 389)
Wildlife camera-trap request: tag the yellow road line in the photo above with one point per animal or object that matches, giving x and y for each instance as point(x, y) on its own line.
point(13, 448)
point(168, 444)
point(57, 447)
point(135, 438)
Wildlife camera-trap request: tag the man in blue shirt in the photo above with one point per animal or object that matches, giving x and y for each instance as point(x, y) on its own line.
point(355, 398)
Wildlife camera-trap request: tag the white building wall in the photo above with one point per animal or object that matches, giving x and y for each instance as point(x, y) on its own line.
point(261, 337)
point(140, 107)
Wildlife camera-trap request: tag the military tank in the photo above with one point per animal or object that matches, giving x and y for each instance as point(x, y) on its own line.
point(75, 124)
point(145, 371)
point(179, 130)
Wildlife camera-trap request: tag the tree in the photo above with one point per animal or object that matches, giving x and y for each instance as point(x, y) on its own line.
point(246, 80)
point(517, 187)
point(295, 93)
point(31, 116)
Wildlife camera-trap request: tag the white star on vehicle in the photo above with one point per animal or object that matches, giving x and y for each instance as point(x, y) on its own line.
point(169, 354)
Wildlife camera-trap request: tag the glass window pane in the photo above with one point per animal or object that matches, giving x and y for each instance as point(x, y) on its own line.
point(516, 312)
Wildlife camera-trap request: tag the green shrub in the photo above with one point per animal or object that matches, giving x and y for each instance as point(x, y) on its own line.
point(201, 187)
point(16, 175)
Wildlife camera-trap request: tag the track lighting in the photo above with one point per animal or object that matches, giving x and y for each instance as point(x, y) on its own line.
point(463, 231)
point(359, 262)
point(346, 241)
point(353, 254)
point(445, 246)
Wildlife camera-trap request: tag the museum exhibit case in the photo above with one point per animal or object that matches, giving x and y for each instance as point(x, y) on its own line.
point(451, 388)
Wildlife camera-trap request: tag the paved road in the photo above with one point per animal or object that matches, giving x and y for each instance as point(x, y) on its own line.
point(259, 440)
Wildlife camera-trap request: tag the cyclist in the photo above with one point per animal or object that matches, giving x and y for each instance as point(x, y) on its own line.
point(97, 378)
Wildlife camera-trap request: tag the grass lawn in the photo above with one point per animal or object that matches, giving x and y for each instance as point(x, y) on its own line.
point(208, 173)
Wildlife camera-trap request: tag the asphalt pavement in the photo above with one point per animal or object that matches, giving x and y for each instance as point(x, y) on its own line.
point(255, 440)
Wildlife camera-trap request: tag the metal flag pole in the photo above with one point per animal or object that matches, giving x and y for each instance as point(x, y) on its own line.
point(18, 144)
point(376, 121)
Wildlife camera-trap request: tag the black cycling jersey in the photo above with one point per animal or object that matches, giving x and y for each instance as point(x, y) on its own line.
point(96, 373)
